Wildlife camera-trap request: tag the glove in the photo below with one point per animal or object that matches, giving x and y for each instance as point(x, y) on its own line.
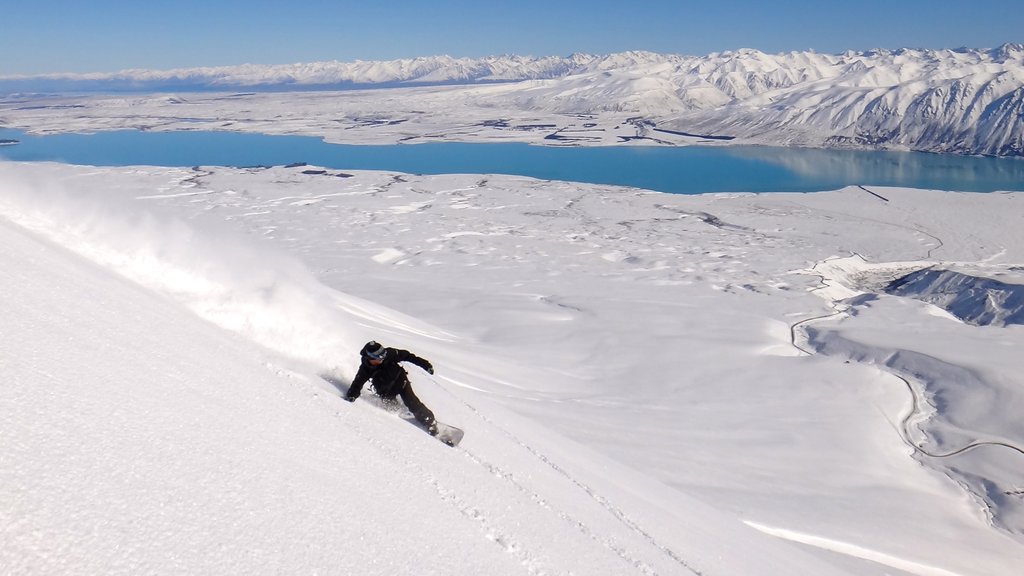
point(351, 397)
point(430, 370)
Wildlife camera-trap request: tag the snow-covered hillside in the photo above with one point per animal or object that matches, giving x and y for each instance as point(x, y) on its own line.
point(955, 101)
point(651, 384)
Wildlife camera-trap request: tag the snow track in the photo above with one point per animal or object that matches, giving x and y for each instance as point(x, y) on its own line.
point(602, 501)
point(535, 508)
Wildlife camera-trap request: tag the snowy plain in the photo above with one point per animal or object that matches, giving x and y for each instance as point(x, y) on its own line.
point(650, 383)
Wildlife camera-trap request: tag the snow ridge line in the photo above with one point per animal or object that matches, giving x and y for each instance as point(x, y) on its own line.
point(604, 502)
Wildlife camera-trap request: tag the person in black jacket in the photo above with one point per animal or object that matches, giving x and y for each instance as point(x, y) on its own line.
point(380, 366)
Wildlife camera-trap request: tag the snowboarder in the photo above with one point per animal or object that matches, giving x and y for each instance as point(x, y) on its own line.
point(380, 365)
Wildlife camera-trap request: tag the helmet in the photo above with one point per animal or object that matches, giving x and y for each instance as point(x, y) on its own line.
point(374, 351)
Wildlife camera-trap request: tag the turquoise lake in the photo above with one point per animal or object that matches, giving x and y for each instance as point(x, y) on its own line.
point(678, 170)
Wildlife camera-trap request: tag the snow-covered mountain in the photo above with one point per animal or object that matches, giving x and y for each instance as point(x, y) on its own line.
point(334, 74)
point(978, 301)
point(953, 101)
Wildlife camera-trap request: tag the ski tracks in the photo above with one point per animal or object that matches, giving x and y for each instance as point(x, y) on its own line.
point(412, 461)
point(521, 518)
point(596, 535)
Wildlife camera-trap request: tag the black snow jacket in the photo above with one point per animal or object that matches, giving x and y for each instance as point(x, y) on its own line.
point(389, 377)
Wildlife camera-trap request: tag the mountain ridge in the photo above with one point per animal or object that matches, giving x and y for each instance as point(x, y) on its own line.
point(505, 67)
point(964, 101)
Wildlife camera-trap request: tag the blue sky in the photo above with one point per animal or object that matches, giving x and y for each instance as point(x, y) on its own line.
point(45, 36)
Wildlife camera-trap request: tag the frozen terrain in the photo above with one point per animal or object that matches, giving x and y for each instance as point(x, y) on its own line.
point(650, 383)
point(964, 101)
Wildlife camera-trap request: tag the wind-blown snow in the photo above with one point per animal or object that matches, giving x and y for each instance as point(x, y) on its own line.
point(963, 101)
point(650, 384)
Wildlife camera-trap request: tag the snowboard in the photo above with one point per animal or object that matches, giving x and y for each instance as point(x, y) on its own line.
point(446, 433)
point(449, 434)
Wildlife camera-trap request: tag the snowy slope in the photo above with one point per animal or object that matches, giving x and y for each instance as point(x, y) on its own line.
point(140, 439)
point(978, 301)
point(651, 384)
point(963, 101)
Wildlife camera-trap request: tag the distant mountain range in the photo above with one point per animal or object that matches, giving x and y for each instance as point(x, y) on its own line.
point(962, 101)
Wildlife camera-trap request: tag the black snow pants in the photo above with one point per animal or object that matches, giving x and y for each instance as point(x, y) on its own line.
point(422, 414)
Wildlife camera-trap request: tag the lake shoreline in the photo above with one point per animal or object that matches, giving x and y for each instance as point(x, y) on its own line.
point(690, 169)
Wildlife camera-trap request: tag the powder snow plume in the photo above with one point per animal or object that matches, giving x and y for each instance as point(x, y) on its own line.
point(255, 291)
